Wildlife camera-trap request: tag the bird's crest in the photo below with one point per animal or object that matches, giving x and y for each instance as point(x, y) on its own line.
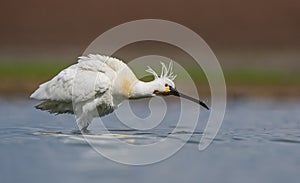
point(166, 72)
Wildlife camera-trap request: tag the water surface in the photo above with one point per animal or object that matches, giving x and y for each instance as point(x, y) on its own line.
point(259, 141)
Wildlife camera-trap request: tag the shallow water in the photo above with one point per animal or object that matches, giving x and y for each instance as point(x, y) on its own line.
point(259, 141)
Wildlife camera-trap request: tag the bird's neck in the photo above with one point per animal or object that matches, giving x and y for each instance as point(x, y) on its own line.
point(142, 89)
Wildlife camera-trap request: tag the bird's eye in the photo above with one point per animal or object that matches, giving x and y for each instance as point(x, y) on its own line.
point(166, 85)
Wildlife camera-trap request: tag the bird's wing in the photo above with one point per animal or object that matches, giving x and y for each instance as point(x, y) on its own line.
point(91, 76)
point(59, 88)
point(114, 63)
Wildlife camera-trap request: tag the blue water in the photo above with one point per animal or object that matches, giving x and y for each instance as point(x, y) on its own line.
point(259, 141)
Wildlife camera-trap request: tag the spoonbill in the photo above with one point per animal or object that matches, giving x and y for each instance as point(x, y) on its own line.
point(97, 85)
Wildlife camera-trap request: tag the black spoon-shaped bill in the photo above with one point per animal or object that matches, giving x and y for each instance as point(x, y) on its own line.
point(176, 93)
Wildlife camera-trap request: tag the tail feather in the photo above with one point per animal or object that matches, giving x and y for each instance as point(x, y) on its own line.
point(41, 93)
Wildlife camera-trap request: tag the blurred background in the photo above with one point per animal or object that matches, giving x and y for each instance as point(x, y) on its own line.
point(256, 42)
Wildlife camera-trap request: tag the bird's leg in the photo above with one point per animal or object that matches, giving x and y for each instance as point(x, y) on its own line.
point(84, 118)
point(84, 130)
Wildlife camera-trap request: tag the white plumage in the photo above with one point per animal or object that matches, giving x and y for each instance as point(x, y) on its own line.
point(96, 85)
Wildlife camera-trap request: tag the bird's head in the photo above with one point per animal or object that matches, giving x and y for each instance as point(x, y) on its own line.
point(164, 84)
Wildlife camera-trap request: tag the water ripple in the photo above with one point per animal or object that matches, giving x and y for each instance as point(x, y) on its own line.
point(286, 141)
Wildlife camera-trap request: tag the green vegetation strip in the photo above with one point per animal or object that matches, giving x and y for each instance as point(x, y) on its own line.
point(30, 71)
point(262, 77)
point(234, 76)
point(252, 76)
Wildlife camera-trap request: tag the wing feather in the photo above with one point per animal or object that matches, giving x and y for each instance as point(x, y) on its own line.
point(91, 75)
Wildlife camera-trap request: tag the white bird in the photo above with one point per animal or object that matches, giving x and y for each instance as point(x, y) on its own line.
point(97, 85)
